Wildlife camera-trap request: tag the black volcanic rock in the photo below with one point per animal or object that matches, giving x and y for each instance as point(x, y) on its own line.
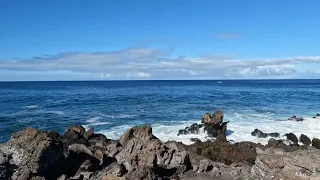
point(316, 143)
point(305, 140)
point(258, 133)
point(292, 137)
point(295, 118)
point(193, 129)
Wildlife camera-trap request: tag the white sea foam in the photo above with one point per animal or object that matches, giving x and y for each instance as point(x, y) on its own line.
point(170, 132)
point(125, 116)
point(94, 121)
point(120, 116)
point(31, 107)
point(56, 112)
point(115, 132)
point(242, 130)
point(239, 128)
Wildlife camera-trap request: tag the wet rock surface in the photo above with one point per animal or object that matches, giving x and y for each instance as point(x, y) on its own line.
point(305, 140)
point(295, 118)
point(193, 129)
point(212, 124)
point(316, 143)
point(78, 154)
point(258, 133)
point(292, 138)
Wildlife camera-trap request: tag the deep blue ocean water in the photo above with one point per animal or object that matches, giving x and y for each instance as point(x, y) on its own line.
point(111, 107)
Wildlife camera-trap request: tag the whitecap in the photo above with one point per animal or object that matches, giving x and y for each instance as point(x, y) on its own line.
point(56, 112)
point(239, 128)
point(242, 130)
point(125, 116)
point(115, 132)
point(94, 121)
point(31, 107)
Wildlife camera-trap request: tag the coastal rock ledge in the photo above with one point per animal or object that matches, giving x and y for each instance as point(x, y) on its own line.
point(31, 154)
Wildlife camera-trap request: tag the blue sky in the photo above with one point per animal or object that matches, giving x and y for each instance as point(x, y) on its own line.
point(159, 39)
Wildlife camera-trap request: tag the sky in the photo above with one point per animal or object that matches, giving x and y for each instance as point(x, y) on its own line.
point(159, 39)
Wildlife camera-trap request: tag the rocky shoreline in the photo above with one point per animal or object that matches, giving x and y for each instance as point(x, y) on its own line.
point(83, 155)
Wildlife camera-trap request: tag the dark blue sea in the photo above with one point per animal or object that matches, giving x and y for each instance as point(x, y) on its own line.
point(111, 107)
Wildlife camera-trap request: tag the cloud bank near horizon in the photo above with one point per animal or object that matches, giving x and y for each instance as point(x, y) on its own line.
point(150, 63)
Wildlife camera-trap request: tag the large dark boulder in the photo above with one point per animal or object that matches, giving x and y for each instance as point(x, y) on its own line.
point(316, 143)
point(292, 138)
point(214, 125)
point(215, 118)
point(34, 153)
point(224, 152)
point(295, 118)
point(305, 139)
point(258, 133)
point(193, 129)
point(74, 135)
point(142, 149)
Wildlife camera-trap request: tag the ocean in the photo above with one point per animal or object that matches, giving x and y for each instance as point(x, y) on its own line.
point(112, 107)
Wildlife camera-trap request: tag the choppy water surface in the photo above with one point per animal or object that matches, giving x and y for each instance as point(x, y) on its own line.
point(114, 106)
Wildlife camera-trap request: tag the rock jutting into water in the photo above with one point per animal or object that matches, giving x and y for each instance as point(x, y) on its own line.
point(295, 118)
point(305, 140)
point(261, 134)
point(78, 154)
point(213, 125)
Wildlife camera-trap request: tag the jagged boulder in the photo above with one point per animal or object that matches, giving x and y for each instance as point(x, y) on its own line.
point(292, 138)
point(258, 133)
point(34, 153)
point(215, 118)
point(316, 143)
point(193, 129)
point(305, 139)
point(214, 125)
point(295, 118)
point(74, 135)
point(142, 149)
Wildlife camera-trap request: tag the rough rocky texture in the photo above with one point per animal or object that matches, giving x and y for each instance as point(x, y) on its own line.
point(295, 118)
point(224, 152)
point(32, 152)
point(214, 125)
point(193, 129)
point(316, 143)
point(292, 138)
point(305, 140)
point(258, 133)
point(138, 155)
point(278, 164)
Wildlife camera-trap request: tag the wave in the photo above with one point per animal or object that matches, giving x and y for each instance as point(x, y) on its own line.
point(125, 116)
point(56, 112)
point(115, 132)
point(31, 107)
point(94, 121)
point(120, 116)
point(240, 130)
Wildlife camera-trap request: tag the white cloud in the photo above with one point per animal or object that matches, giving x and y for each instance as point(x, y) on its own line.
point(141, 63)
